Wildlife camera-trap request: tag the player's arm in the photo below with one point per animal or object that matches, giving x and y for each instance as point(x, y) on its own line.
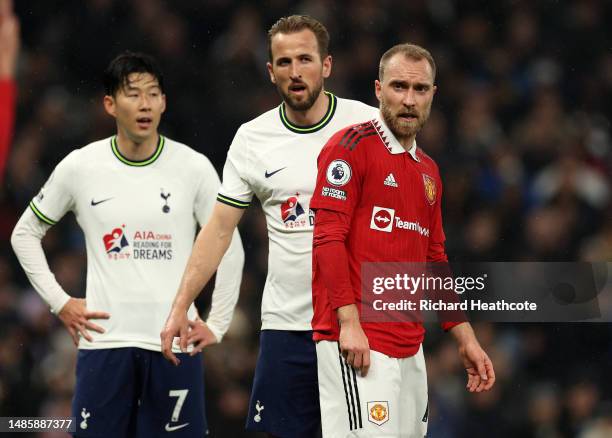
point(331, 263)
point(479, 368)
point(211, 244)
point(229, 273)
point(438, 260)
point(224, 299)
point(341, 168)
point(26, 241)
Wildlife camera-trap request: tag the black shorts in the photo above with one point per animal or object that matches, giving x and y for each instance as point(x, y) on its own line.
point(285, 396)
point(132, 392)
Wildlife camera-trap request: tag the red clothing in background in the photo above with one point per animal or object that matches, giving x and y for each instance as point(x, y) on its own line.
point(7, 118)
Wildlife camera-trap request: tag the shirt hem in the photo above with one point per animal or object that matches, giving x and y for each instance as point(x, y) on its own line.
point(302, 327)
point(126, 344)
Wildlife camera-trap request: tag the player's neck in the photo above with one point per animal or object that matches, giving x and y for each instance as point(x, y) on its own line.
point(136, 151)
point(407, 142)
point(312, 115)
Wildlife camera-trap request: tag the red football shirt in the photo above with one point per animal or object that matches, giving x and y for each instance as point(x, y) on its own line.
point(393, 200)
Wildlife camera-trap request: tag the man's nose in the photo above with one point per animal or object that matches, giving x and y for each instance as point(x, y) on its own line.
point(409, 99)
point(295, 71)
point(144, 103)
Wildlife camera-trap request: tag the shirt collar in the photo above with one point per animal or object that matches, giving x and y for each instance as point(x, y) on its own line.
point(391, 142)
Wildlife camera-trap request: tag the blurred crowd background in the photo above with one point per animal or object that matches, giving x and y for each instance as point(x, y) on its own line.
point(520, 127)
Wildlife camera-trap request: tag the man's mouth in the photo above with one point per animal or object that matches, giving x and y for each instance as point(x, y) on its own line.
point(408, 116)
point(144, 122)
point(297, 88)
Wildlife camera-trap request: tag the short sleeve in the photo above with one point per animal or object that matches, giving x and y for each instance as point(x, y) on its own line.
point(340, 174)
point(56, 198)
point(208, 188)
point(235, 189)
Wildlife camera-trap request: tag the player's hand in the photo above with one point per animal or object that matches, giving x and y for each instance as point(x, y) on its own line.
point(354, 344)
point(200, 336)
point(479, 368)
point(177, 324)
point(75, 316)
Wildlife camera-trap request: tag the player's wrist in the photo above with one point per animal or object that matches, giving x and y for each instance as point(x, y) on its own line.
point(347, 315)
point(180, 305)
point(463, 333)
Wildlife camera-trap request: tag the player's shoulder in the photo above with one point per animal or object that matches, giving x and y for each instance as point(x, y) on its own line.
point(91, 153)
point(426, 160)
point(187, 156)
point(263, 122)
point(179, 149)
point(351, 136)
point(356, 107)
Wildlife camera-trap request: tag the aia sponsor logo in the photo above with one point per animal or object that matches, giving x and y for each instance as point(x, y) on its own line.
point(115, 241)
point(291, 209)
point(294, 215)
point(382, 219)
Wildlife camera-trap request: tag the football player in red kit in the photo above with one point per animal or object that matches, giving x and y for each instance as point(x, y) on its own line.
point(378, 199)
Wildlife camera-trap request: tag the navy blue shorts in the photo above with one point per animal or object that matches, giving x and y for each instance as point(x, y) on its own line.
point(132, 392)
point(285, 396)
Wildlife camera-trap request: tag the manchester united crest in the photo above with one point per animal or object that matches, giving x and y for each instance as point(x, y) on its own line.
point(430, 189)
point(378, 412)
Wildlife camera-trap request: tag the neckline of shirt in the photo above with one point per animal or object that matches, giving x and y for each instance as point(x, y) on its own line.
point(391, 142)
point(140, 163)
point(329, 114)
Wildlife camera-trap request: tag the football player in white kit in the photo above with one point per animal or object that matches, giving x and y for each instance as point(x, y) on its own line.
point(138, 197)
point(274, 157)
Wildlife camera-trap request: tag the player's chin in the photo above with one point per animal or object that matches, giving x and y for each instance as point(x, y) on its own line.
point(144, 131)
point(302, 105)
point(406, 129)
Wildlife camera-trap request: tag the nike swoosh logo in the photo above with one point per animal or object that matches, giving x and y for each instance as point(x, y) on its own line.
point(94, 203)
point(268, 175)
point(173, 428)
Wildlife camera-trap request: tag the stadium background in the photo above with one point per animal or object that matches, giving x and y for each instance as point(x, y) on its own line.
point(520, 128)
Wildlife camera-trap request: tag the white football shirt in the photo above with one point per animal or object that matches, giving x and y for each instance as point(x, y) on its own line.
point(277, 162)
point(139, 220)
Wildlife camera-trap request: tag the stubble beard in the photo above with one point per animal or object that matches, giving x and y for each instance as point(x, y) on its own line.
point(306, 103)
point(400, 128)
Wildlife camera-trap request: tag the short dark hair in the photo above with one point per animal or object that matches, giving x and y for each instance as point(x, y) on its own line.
point(410, 51)
point(297, 23)
point(117, 73)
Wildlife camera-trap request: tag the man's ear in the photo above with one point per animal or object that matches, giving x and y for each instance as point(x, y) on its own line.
point(109, 105)
point(271, 72)
point(327, 66)
point(377, 89)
